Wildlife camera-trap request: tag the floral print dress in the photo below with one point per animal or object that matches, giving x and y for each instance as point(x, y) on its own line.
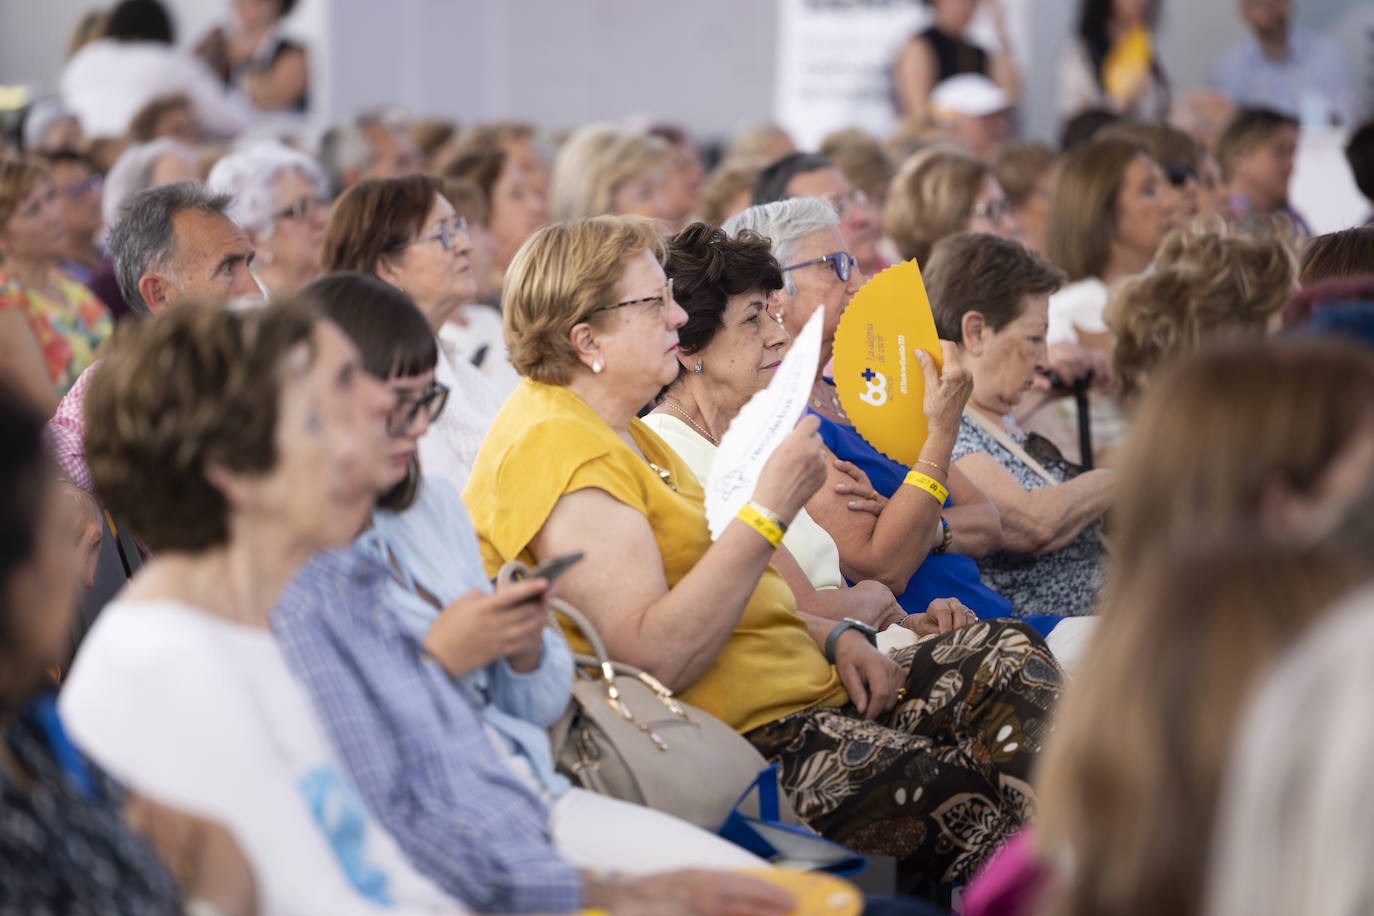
point(68, 329)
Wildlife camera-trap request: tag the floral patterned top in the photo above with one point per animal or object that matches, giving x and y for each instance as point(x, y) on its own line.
point(1065, 581)
point(69, 330)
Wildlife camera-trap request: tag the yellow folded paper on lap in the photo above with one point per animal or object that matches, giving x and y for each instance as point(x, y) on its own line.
point(877, 375)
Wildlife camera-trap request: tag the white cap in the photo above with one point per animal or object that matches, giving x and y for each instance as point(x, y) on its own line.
point(968, 95)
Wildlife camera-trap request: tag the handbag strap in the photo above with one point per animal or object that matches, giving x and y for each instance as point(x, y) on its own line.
point(1005, 440)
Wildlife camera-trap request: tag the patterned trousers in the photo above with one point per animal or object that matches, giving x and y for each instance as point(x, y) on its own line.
point(941, 780)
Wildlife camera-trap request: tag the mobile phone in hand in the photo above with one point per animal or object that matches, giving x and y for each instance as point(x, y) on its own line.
point(551, 568)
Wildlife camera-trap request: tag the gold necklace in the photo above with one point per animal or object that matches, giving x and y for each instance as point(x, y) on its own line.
point(834, 402)
point(688, 417)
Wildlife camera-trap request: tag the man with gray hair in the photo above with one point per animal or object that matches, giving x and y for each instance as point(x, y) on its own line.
point(374, 144)
point(170, 242)
point(813, 175)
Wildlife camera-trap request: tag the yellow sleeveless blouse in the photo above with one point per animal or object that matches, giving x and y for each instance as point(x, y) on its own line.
point(546, 442)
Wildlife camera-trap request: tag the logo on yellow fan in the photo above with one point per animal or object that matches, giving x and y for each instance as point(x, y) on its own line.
point(877, 377)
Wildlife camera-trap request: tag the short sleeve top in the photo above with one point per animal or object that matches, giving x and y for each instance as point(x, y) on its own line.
point(546, 443)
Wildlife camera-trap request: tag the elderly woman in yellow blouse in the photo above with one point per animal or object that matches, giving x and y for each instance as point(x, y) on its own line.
point(928, 763)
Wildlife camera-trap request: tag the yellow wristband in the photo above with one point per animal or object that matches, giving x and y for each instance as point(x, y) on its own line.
point(764, 526)
point(928, 485)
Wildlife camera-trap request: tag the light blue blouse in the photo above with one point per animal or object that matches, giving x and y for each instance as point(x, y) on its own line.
point(434, 545)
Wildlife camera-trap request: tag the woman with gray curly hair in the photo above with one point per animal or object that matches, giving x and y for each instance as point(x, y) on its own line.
point(279, 201)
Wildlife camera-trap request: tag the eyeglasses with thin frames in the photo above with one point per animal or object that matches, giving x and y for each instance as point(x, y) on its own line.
point(447, 235)
point(660, 302)
point(402, 417)
point(842, 262)
point(994, 211)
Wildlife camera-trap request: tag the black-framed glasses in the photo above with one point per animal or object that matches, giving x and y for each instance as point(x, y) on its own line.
point(402, 416)
point(447, 234)
point(302, 209)
point(1179, 175)
point(842, 262)
point(660, 301)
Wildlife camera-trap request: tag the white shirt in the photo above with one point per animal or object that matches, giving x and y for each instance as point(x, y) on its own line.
point(480, 342)
point(1080, 306)
point(202, 714)
point(450, 446)
point(107, 82)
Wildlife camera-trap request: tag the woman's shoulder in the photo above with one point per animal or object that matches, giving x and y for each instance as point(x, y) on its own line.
point(541, 432)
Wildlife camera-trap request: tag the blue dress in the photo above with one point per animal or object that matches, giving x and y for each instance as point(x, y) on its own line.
point(940, 575)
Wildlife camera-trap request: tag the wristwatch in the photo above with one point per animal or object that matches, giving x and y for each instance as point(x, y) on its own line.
point(849, 623)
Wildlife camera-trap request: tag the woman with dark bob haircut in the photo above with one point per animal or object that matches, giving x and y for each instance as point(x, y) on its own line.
point(730, 347)
point(237, 443)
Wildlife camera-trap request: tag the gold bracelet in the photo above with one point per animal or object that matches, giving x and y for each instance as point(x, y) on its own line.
point(769, 514)
point(933, 465)
point(928, 485)
point(764, 526)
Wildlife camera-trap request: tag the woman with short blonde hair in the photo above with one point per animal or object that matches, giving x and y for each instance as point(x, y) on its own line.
point(939, 192)
point(607, 168)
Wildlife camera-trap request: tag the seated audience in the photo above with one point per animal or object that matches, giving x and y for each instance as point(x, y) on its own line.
point(1347, 253)
point(729, 189)
point(50, 325)
point(729, 349)
point(609, 168)
point(568, 467)
point(1256, 154)
point(250, 54)
point(766, 141)
point(279, 202)
point(888, 547)
point(170, 242)
point(1359, 153)
point(943, 50)
point(404, 231)
point(514, 209)
point(941, 191)
point(49, 127)
point(991, 298)
point(1202, 114)
point(1231, 456)
point(860, 157)
point(372, 144)
point(685, 173)
point(1298, 72)
point(1083, 126)
point(1110, 63)
point(261, 444)
point(112, 78)
point(167, 116)
point(517, 139)
point(65, 833)
point(812, 175)
point(1179, 160)
point(1293, 821)
point(1207, 284)
point(972, 111)
point(495, 826)
point(78, 195)
point(1025, 170)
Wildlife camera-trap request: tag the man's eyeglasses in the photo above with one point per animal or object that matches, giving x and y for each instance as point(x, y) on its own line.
point(447, 235)
point(402, 416)
point(302, 209)
point(842, 202)
point(994, 211)
point(660, 301)
point(842, 262)
point(1179, 175)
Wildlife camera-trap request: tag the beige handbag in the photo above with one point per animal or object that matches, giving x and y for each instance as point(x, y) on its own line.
point(625, 735)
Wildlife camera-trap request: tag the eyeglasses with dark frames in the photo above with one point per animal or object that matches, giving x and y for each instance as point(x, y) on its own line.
point(1179, 175)
point(842, 262)
point(660, 301)
point(402, 417)
point(447, 235)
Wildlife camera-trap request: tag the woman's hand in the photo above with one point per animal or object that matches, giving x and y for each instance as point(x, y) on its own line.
point(866, 499)
point(690, 892)
point(201, 855)
point(479, 628)
point(941, 616)
point(794, 472)
point(947, 389)
point(874, 604)
point(870, 677)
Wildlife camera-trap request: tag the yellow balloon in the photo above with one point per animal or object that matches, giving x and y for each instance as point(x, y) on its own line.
point(877, 376)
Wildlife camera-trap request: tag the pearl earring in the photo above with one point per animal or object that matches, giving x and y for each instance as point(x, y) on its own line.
point(596, 366)
point(977, 351)
point(697, 368)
